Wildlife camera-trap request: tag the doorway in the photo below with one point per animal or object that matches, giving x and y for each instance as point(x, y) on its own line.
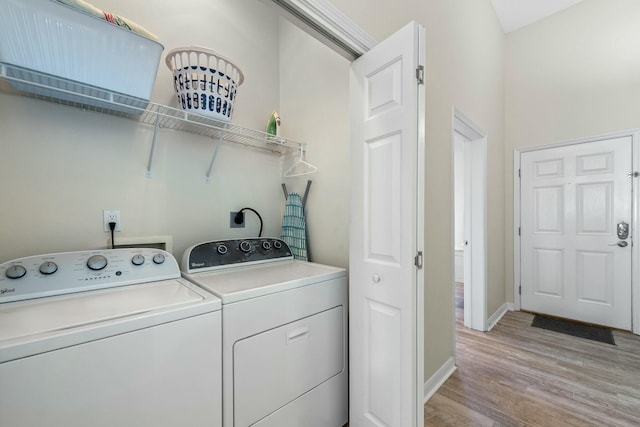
point(470, 178)
point(576, 225)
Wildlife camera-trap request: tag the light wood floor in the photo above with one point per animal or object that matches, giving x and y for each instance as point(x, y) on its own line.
point(517, 375)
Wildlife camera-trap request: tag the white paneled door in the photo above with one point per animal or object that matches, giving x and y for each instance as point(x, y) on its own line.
point(384, 285)
point(576, 202)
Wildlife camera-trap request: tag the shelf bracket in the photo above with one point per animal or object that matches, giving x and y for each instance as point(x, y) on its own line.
point(153, 146)
point(213, 159)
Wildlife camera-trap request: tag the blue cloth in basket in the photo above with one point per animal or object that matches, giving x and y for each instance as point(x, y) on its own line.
point(294, 231)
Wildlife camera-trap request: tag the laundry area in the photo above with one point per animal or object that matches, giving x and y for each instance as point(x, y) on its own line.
point(279, 175)
point(77, 163)
point(131, 133)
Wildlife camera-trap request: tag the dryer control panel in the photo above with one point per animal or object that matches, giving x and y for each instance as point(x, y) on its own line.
point(228, 253)
point(69, 272)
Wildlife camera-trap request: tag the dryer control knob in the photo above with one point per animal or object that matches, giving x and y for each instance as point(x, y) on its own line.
point(48, 267)
point(158, 258)
point(222, 249)
point(137, 259)
point(245, 246)
point(277, 244)
point(97, 262)
point(266, 245)
point(15, 272)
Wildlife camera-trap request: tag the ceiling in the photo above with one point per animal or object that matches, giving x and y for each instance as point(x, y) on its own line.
point(515, 14)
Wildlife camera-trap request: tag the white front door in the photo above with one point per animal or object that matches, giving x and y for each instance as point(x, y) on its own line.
point(385, 300)
point(573, 199)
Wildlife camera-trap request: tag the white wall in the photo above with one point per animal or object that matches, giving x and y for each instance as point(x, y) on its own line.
point(244, 31)
point(464, 68)
point(572, 75)
point(60, 166)
point(314, 107)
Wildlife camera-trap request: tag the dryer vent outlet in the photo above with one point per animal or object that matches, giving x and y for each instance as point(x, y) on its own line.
point(232, 220)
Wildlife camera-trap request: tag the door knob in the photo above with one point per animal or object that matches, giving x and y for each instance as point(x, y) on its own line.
point(621, 243)
point(375, 278)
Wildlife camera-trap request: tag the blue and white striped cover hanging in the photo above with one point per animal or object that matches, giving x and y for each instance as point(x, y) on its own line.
point(294, 227)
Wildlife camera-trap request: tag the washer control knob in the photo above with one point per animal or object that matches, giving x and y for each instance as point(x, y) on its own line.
point(158, 258)
point(222, 249)
point(266, 245)
point(48, 267)
point(97, 262)
point(245, 246)
point(277, 244)
point(137, 259)
point(15, 271)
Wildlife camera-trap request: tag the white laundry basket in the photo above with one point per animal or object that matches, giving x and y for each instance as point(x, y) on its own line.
point(206, 83)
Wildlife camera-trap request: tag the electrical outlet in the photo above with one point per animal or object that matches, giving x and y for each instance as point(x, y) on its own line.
point(232, 222)
point(111, 216)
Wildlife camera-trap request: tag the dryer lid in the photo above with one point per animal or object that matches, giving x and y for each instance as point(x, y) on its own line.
point(241, 283)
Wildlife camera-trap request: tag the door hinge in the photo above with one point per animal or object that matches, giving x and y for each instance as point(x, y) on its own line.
point(520, 289)
point(519, 231)
point(418, 260)
point(519, 175)
point(420, 74)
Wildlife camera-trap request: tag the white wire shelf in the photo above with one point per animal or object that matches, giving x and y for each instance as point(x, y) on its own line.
point(62, 91)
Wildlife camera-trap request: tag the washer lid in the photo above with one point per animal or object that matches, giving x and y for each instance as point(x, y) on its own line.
point(241, 283)
point(62, 313)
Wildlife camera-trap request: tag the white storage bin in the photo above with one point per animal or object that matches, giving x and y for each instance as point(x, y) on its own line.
point(52, 38)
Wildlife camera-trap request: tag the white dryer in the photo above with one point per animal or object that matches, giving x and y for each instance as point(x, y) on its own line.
point(284, 323)
point(107, 338)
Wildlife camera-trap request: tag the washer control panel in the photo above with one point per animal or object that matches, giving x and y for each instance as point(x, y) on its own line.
point(68, 272)
point(228, 253)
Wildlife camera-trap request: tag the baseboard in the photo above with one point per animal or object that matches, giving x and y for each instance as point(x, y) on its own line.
point(495, 318)
point(433, 384)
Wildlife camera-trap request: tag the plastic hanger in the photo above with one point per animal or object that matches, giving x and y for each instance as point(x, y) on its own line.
point(300, 167)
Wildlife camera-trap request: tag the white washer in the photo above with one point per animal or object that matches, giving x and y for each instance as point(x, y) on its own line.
point(107, 338)
point(284, 339)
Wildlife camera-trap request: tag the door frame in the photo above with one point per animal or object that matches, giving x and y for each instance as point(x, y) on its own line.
point(635, 216)
point(329, 25)
point(475, 287)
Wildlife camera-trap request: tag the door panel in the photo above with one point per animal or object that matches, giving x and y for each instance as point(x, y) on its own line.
point(383, 365)
point(383, 286)
point(548, 279)
point(594, 208)
point(595, 277)
point(382, 190)
point(573, 197)
point(548, 209)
